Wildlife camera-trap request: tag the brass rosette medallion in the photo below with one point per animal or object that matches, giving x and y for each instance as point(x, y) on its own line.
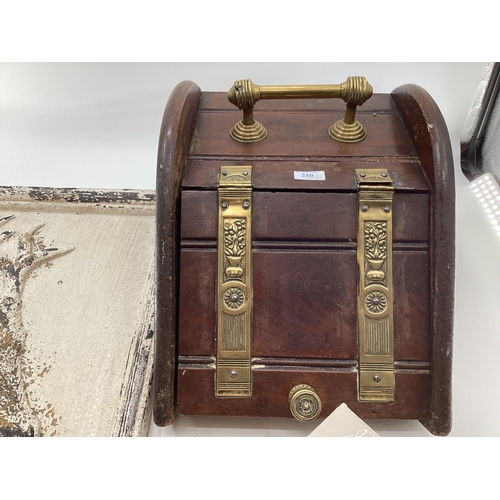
point(234, 298)
point(375, 290)
point(234, 283)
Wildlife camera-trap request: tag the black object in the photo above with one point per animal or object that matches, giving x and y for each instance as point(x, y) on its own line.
point(482, 129)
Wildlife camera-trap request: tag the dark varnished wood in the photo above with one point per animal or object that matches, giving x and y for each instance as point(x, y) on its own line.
point(303, 216)
point(301, 134)
point(271, 387)
point(197, 303)
point(304, 304)
point(277, 174)
point(429, 133)
point(175, 136)
point(208, 362)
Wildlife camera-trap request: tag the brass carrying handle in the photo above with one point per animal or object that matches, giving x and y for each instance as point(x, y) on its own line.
point(354, 91)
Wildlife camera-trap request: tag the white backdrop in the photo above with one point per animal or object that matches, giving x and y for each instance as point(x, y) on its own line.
point(97, 125)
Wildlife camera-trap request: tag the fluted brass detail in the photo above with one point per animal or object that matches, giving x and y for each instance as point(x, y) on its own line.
point(234, 283)
point(244, 94)
point(254, 132)
point(343, 131)
point(354, 91)
point(375, 290)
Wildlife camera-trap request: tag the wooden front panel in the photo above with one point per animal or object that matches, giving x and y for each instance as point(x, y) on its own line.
point(276, 173)
point(305, 272)
point(304, 304)
point(271, 387)
point(300, 134)
point(300, 128)
point(304, 216)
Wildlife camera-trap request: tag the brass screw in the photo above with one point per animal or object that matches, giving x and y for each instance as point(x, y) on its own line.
point(224, 205)
point(362, 174)
point(377, 378)
point(224, 172)
point(365, 208)
point(233, 374)
point(246, 205)
point(387, 209)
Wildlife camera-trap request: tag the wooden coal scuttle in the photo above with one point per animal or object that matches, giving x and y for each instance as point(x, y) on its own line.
point(305, 255)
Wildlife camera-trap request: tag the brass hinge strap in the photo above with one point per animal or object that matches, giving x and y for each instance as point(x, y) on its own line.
point(375, 290)
point(234, 283)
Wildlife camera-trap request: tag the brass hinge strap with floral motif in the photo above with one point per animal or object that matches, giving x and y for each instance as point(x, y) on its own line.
point(234, 283)
point(376, 380)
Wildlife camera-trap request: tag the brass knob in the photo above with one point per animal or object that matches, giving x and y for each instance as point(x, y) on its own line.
point(305, 403)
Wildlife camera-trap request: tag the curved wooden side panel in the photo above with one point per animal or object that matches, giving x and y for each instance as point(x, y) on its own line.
point(426, 126)
point(175, 138)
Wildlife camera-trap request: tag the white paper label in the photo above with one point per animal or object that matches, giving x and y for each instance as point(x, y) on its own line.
point(315, 175)
point(343, 422)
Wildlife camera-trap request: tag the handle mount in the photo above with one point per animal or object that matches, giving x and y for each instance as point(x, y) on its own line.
point(354, 91)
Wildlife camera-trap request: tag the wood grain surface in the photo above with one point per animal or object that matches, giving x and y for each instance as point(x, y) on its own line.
point(304, 216)
point(272, 385)
point(175, 137)
point(421, 115)
point(276, 173)
point(304, 304)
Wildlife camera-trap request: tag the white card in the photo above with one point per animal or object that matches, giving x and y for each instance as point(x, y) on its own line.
point(313, 175)
point(342, 422)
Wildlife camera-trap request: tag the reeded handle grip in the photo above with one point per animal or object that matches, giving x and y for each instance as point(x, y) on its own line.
point(354, 91)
